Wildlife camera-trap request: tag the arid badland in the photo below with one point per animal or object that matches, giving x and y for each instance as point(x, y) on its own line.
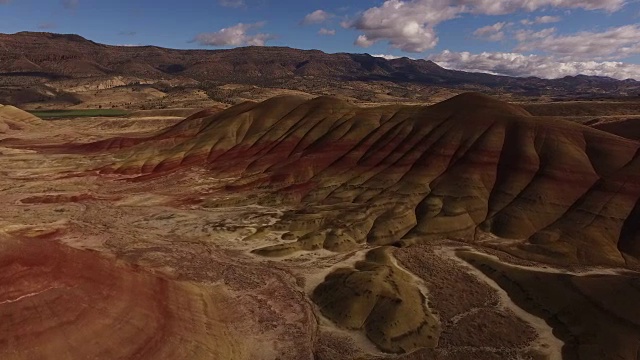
point(381, 223)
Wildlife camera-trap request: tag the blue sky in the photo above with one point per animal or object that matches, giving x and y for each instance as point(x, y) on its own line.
point(513, 37)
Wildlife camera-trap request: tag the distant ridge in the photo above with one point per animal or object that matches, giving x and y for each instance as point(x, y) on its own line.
point(44, 56)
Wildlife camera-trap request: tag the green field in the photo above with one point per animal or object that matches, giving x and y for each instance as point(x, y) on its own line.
point(67, 114)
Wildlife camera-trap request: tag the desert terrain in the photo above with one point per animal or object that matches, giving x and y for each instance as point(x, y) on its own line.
point(305, 227)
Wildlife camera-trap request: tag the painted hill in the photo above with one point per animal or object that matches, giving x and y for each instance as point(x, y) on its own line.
point(14, 119)
point(471, 167)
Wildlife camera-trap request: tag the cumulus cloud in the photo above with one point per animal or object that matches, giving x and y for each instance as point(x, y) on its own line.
point(70, 4)
point(391, 57)
point(236, 35)
point(316, 17)
point(515, 64)
point(386, 56)
point(232, 3)
point(492, 32)
point(324, 31)
point(409, 25)
point(613, 43)
point(363, 41)
point(501, 7)
point(406, 25)
point(541, 20)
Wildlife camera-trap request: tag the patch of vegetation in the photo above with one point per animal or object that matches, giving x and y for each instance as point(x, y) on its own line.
point(66, 114)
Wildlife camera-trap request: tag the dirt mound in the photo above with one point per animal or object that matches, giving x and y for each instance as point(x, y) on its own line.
point(14, 119)
point(379, 298)
point(468, 103)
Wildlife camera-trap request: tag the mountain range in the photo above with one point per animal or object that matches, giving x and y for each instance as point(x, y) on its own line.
point(42, 62)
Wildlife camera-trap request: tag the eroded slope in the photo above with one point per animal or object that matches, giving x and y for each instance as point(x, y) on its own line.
point(13, 119)
point(63, 303)
point(561, 192)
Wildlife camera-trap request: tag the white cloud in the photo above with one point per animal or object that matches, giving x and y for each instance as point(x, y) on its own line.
point(409, 25)
point(541, 20)
point(316, 17)
point(386, 56)
point(324, 31)
point(234, 36)
point(613, 43)
point(392, 57)
point(70, 4)
point(492, 32)
point(406, 25)
point(232, 3)
point(501, 7)
point(363, 41)
point(514, 64)
point(547, 19)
